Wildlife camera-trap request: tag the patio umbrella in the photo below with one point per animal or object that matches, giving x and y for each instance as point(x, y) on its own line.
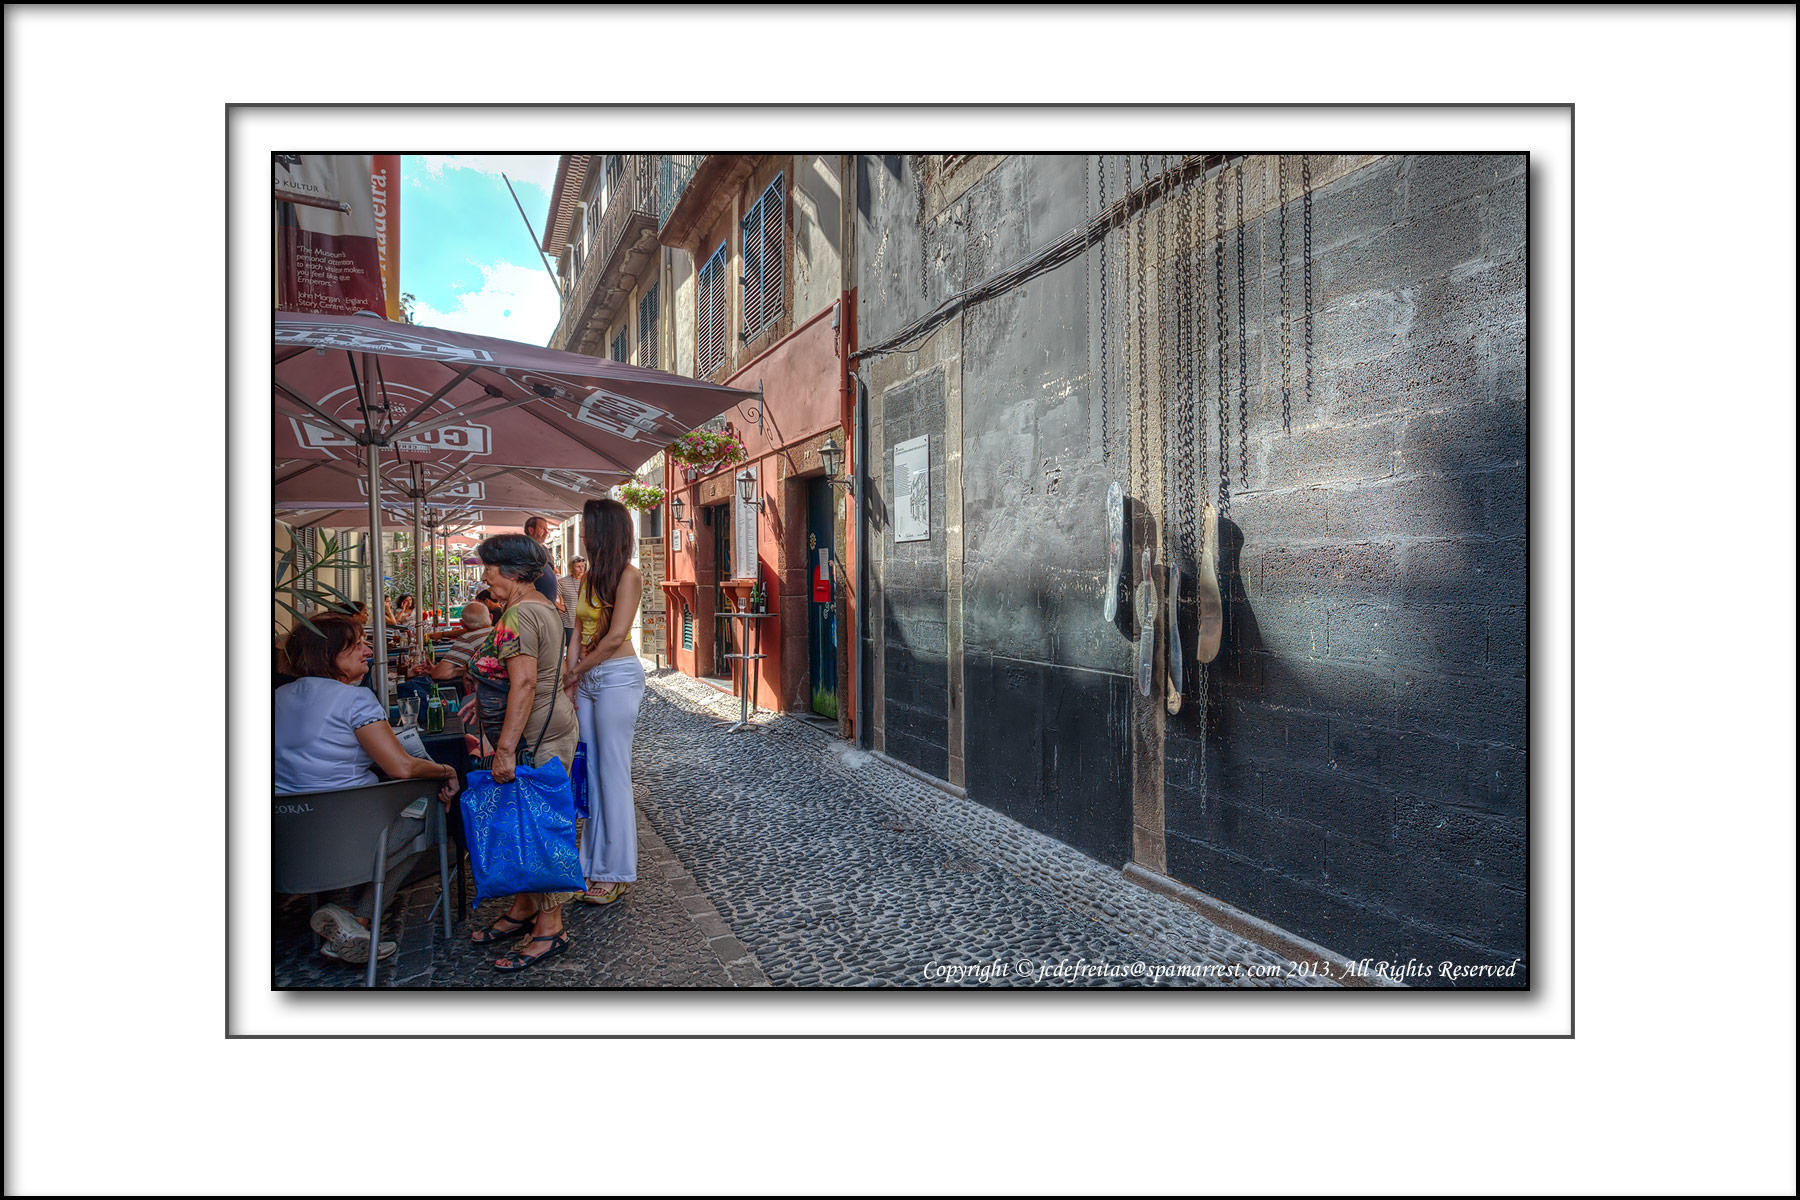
point(460, 410)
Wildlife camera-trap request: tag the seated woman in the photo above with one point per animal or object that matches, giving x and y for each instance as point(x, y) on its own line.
point(329, 732)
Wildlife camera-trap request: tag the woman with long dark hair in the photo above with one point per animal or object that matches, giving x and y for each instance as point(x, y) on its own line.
point(606, 681)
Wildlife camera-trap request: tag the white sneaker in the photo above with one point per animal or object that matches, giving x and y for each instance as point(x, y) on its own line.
point(344, 935)
point(382, 953)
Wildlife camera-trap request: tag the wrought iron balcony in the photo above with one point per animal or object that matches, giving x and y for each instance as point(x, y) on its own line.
point(673, 173)
point(624, 243)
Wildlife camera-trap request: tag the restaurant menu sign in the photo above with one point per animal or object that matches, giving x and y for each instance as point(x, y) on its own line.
point(337, 233)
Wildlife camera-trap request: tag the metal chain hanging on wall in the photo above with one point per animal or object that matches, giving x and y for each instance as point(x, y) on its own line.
point(1306, 273)
point(1287, 336)
point(916, 164)
point(1106, 430)
point(1224, 385)
point(1242, 349)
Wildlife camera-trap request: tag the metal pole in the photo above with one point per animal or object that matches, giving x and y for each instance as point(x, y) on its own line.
point(377, 604)
point(535, 244)
point(418, 580)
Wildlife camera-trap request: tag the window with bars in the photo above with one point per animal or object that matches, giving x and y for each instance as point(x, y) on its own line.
point(709, 324)
point(647, 317)
point(621, 346)
point(764, 229)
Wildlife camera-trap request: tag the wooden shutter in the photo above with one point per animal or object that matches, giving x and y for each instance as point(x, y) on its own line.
point(773, 267)
point(647, 340)
point(751, 280)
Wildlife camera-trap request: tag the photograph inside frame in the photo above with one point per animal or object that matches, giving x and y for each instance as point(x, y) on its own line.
point(937, 571)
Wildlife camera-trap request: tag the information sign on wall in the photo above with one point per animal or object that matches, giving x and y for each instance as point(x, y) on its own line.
point(912, 490)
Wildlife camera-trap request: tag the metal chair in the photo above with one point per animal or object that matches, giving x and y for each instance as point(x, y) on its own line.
point(339, 839)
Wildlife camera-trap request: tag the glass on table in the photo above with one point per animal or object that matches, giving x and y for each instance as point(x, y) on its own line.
point(409, 711)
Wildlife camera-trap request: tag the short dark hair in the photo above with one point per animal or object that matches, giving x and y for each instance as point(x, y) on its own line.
point(517, 556)
point(314, 652)
point(531, 522)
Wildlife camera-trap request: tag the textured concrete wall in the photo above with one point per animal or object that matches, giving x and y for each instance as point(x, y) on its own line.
point(1361, 779)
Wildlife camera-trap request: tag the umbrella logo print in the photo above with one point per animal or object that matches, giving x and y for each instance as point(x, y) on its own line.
point(352, 337)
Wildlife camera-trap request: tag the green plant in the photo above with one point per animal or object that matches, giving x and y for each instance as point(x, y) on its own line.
point(705, 448)
point(640, 496)
point(300, 586)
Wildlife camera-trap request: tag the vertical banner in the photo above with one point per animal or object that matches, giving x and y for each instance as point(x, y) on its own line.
point(337, 233)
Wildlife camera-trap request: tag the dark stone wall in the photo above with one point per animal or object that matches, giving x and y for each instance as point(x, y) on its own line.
point(1363, 782)
point(916, 644)
point(1362, 777)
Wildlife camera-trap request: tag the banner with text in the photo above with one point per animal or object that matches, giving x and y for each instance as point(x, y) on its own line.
point(337, 231)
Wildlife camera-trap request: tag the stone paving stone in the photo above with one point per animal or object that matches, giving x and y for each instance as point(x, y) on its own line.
point(835, 869)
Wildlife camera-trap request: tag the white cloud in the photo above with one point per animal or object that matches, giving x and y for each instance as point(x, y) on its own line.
point(538, 170)
point(513, 302)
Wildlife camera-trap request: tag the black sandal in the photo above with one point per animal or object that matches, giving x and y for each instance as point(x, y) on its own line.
point(558, 943)
point(493, 933)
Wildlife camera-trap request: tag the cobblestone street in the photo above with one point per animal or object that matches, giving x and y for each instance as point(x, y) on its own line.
point(783, 856)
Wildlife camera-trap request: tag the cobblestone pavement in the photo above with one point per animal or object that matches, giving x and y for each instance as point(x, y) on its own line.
point(783, 856)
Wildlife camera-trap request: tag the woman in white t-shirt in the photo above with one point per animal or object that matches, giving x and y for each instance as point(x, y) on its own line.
point(329, 732)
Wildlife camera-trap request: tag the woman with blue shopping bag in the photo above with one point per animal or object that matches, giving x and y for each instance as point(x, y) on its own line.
point(606, 681)
point(530, 827)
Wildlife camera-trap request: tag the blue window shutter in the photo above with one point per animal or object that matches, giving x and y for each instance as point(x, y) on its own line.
point(751, 280)
point(773, 205)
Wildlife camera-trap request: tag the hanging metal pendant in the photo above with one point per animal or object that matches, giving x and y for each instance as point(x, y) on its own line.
point(1115, 547)
point(1174, 676)
point(1211, 625)
point(1146, 617)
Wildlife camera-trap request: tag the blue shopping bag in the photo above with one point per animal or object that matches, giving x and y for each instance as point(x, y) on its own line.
point(579, 783)
point(521, 834)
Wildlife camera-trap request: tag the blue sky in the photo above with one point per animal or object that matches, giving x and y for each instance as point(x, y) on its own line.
point(464, 253)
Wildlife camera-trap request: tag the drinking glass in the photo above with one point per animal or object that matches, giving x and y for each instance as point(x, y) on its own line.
point(409, 711)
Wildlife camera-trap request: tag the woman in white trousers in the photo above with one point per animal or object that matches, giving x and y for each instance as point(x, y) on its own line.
point(606, 681)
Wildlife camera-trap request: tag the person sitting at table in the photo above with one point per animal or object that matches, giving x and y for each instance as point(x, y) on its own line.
point(329, 732)
point(454, 658)
point(400, 612)
point(485, 598)
point(517, 672)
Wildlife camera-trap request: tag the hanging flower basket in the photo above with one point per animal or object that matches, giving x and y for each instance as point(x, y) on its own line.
point(640, 496)
point(704, 448)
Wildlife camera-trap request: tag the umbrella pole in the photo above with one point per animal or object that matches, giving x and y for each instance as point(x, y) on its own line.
point(377, 597)
point(418, 581)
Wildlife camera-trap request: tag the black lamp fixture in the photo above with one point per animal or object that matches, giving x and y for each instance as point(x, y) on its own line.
point(746, 488)
point(676, 505)
point(832, 455)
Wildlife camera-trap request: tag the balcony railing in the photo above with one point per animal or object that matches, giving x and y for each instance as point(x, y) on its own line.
point(672, 175)
point(631, 196)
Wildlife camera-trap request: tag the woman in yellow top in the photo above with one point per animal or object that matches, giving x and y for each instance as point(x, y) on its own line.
point(606, 681)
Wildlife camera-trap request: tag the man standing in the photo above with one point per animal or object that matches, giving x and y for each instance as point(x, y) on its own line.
point(538, 530)
point(566, 589)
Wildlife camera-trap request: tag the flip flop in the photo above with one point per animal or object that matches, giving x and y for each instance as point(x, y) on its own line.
point(493, 933)
point(558, 943)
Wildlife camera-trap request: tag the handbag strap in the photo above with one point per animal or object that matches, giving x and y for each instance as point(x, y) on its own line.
point(555, 694)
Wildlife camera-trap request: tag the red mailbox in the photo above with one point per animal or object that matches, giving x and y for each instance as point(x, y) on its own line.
point(821, 589)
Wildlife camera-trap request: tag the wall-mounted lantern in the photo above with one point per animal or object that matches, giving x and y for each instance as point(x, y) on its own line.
point(832, 455)
point(677, 506)
point(746, 485)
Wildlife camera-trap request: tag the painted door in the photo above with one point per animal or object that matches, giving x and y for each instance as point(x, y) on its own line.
point(821, 602)
point(722, 624)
